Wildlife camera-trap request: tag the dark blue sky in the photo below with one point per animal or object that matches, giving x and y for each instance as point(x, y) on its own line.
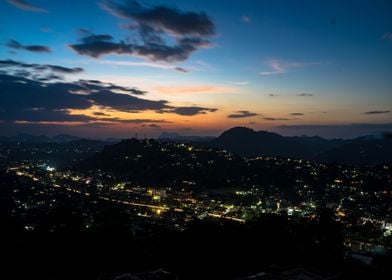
point(315, 67)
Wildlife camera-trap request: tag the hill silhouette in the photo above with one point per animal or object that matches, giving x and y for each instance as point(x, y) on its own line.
point(247, 142)
point(362, 150)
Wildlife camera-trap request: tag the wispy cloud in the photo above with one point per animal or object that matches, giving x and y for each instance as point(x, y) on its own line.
point(241, 83)
point(200, 65)
point(190, 111)
point(13, 44)
point(142, 64)
point(377, 112)
point(153, 125)
point(242, 114)
point(26, 6)
point(46, 30)
point(305, 94)
point(276, 68)
point(37, 68)
point(280, 67)
point(246, 19)
point(275, 119)
point(297, 114)
point(194, 89)
point(387, 36)
point(135, 121)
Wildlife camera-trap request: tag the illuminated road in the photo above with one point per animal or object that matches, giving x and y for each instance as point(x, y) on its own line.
point(226, 217)
point(151, 206)
point(157, 207)
point(137, 204)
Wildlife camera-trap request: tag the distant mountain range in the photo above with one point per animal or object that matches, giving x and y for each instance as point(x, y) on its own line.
point(248, 142)
point(55, 154)
point(60, 138)
point(362, 150)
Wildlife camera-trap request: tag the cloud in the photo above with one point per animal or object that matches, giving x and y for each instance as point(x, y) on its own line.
point(281, 67)
point(143, 64)
point(61, 69)
point(152, 26)
point(153, 125)
point(20, 94)
point(194, 89)
point(9, 63)
point(42, 115)
point(180, 69)
point(183, 48)
point(135, 121)
point(275, 119)
point(241, 83)
point(190, 111)
point(242, 114)
point(377, 112)
point(24, 5)
point(162, 18)
point(38, 72)
point(125, 102)
point(31, 48)
point(49, 77)
point(31, 98)
point(273, 95)
point(246, 19)
point(277, 68)
point(100, 114)
point(387, 36)
point(305, 94)
point(46, 29)
point(92, 38)
point(95, 85)
point(297, 114)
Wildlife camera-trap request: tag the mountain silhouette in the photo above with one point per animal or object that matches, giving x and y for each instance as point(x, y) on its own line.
point(362, 150)
point(247, 142)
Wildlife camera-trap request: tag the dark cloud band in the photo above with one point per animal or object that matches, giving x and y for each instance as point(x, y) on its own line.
point(29, 98)
point(40, 67)
point(150, 27)
point(26, 6)
point(242, 114)
point(377, 112)
point(151, 50)
point(31, 48)
point(162, 17)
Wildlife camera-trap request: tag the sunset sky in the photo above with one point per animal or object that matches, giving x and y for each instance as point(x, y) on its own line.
point(111, 68)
